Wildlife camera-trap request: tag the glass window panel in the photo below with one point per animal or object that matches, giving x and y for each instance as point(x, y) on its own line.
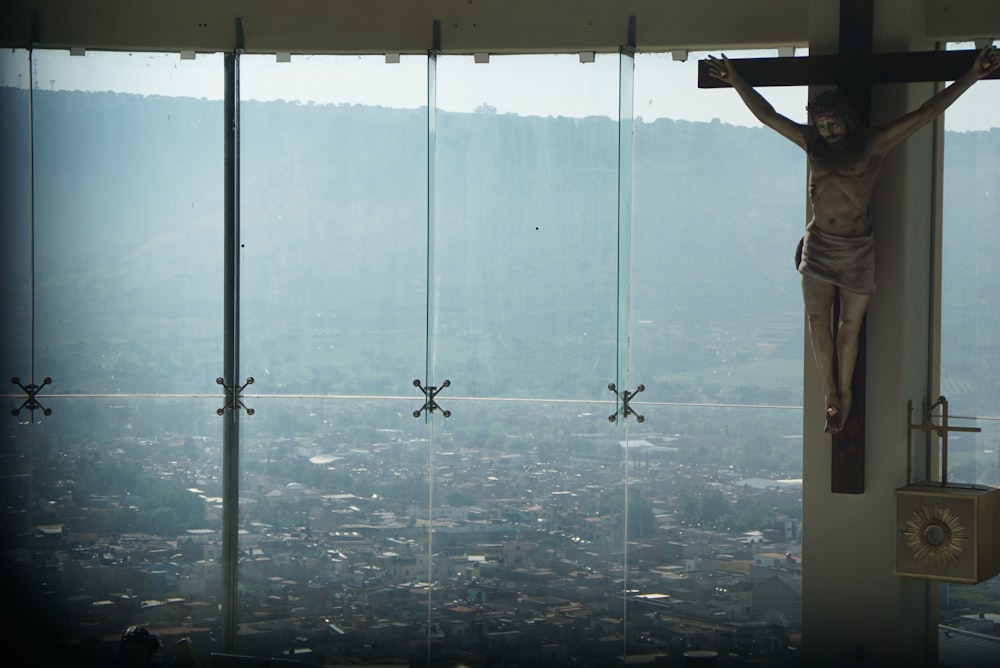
point(970, 309)
point(626, 162)
point(529, 531)
point(970, 318)
point(726, 497)
point(716, 334)
point(334, 229)
point(342, 538)
point(15, 219)
point(125, 527)
point(525, 226)
point(15, 304)
point(719, 206)
point(128, 222)
point(127, 322)
point(333, 525)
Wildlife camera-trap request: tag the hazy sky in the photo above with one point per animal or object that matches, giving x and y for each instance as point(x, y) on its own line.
point(544, 85)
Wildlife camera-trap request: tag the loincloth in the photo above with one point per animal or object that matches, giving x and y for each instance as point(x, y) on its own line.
point(847, 262)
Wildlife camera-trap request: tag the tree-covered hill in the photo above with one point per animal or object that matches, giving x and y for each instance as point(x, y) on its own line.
point(524, 246)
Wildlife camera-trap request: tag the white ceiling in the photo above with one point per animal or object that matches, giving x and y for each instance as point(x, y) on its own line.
point(466, 26)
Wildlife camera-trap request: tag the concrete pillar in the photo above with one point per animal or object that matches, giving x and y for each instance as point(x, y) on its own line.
point(855, 611)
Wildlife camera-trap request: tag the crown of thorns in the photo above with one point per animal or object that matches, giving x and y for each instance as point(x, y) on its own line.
point(832, 102)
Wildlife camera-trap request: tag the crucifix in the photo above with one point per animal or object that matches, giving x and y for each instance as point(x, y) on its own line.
point(836, 256)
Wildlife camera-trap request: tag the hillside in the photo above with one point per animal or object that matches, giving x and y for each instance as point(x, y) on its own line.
point(523, 250)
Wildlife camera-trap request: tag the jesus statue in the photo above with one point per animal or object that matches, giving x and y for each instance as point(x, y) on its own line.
point(837, 253)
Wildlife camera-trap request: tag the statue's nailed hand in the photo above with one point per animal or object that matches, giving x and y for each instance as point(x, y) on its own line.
point(722, 69)
point(987, 61)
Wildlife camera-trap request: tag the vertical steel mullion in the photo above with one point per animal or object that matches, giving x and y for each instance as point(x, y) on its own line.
point(932, 381)
point(230, 429)
point(31, 279)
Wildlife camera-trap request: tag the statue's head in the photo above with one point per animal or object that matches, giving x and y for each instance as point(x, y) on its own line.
point(833, 121)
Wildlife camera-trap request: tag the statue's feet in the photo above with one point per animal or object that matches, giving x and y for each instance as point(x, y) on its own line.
point(833, 423)
point(837, 410)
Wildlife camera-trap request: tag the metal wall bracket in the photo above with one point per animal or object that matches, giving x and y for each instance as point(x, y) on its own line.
point(626, 397)
point(430, 392)
point(31, 402)
point(233, 401)
point(927, 424)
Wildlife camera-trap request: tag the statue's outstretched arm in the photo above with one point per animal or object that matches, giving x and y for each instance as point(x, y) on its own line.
point(890, 135)
point(724, 70)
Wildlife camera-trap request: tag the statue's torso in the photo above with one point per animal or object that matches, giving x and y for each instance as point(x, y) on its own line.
point(840, 188)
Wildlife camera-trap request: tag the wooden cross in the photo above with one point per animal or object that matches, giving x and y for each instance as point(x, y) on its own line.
point(854, 70)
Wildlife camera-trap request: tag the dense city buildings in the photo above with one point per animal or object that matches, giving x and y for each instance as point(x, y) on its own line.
point(533, 569)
